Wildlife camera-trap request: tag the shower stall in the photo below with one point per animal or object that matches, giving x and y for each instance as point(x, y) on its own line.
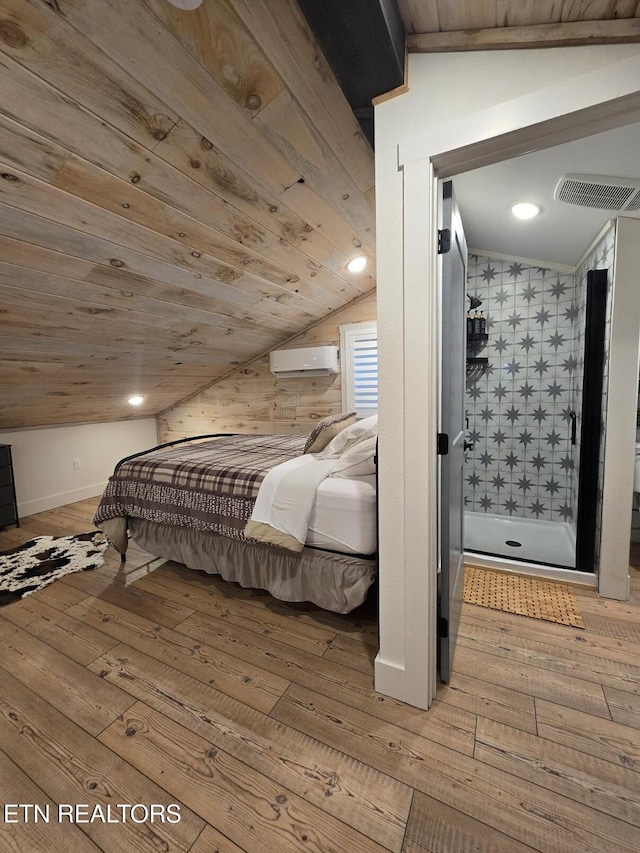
point(536, 390)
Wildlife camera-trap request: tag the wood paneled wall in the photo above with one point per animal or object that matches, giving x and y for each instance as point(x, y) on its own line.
point(179, 191)
point(254, 401)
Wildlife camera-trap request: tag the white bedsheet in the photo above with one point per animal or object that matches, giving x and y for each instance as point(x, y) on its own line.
point(344, 516)
point(285, 501)
point(288, 493)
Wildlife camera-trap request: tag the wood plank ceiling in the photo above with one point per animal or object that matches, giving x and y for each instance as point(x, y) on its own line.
point(432, 16)
point(179, 192)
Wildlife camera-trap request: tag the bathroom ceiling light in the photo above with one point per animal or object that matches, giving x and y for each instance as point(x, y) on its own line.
point(525, 210)
point(136, 400)
point(357, 264)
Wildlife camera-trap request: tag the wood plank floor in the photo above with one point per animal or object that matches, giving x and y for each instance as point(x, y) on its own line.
point(161, 685)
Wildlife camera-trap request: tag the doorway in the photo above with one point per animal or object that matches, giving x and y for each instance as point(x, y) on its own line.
point(406, 664)
point(534, 406)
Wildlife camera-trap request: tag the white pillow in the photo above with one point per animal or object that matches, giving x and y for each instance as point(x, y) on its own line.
point(359, 431)
point(357, 460)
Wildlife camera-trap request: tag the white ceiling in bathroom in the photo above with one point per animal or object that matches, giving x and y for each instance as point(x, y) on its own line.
point(561, 232)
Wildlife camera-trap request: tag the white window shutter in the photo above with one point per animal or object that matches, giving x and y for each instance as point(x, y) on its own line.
point(359, 354)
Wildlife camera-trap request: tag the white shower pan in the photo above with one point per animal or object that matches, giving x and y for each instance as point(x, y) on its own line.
point(516, 542)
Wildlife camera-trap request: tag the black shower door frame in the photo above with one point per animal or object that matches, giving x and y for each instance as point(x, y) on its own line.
point(591, 421)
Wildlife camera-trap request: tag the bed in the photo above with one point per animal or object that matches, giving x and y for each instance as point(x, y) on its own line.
point(191, 500)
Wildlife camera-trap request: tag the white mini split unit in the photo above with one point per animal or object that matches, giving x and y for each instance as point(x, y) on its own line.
point(308, 361)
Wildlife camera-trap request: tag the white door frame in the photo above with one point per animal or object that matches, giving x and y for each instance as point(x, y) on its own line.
point(613, 578)
point(571, 109)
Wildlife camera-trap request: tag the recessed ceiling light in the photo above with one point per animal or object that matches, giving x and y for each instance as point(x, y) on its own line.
point(525, 210)
point(186, 4)
point(136, 400)
point(357, 264)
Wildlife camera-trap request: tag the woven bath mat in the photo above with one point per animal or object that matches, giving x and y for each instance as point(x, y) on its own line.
point(547, 600)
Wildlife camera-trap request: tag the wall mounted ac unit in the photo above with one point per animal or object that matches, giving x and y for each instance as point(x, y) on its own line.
point(308, 361)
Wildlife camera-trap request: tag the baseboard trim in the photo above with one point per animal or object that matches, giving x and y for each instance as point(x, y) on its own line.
point(391, 679)
point(27, 508)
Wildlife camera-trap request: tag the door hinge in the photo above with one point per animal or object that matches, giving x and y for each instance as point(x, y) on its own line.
point(443, 444)
point(443, 627)
point(444, 241)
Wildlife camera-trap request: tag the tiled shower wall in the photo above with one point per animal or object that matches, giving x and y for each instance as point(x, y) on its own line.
point(523, 463)
point(519, 408)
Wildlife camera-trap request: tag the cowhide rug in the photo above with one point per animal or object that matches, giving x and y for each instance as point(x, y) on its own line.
point(42, 560)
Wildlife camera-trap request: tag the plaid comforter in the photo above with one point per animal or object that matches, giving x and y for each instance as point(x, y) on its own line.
point(210, 486)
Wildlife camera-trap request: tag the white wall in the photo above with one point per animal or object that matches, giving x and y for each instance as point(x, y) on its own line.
point(454, 100)
point(617, 497)
point(43, 460)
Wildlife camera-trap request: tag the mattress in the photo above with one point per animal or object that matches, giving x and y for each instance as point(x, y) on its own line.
point(344, 516)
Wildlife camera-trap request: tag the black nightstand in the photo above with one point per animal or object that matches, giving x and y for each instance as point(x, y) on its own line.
point(8, 505)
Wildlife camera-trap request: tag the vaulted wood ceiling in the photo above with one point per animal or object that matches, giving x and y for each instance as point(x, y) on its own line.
point(179, 192)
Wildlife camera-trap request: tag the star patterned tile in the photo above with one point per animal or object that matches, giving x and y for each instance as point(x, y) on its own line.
point(538, 461)
point(524, 483)
point(539, 414)
point(556, 341)
point(520, 408)
point(511, 460)
point(554, 390)
point(526, 390)
point(541, 366)
point(559, 288)
point(499, 391)
point(512, 414)
point(499, 437)
point(489, 274)
point(537, 508)
point(553, 438)
point(572, 313)
point(529, 293)
point(525, 438)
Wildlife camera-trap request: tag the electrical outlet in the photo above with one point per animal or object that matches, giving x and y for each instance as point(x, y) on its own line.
point(76, 464)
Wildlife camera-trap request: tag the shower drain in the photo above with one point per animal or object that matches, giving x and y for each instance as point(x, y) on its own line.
point(513, 543)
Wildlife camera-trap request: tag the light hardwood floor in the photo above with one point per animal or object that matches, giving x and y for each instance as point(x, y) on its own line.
point(159, 685)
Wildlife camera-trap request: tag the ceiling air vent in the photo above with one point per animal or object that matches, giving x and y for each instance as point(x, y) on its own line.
point(634, 203)
point(601, 191)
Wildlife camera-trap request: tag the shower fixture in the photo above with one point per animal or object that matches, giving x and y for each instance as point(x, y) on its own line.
point(475, 302)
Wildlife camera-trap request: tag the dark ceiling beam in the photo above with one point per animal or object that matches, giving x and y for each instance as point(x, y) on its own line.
point(364, 43)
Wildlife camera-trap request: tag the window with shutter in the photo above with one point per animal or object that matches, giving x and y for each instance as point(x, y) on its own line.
point(359, 367)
